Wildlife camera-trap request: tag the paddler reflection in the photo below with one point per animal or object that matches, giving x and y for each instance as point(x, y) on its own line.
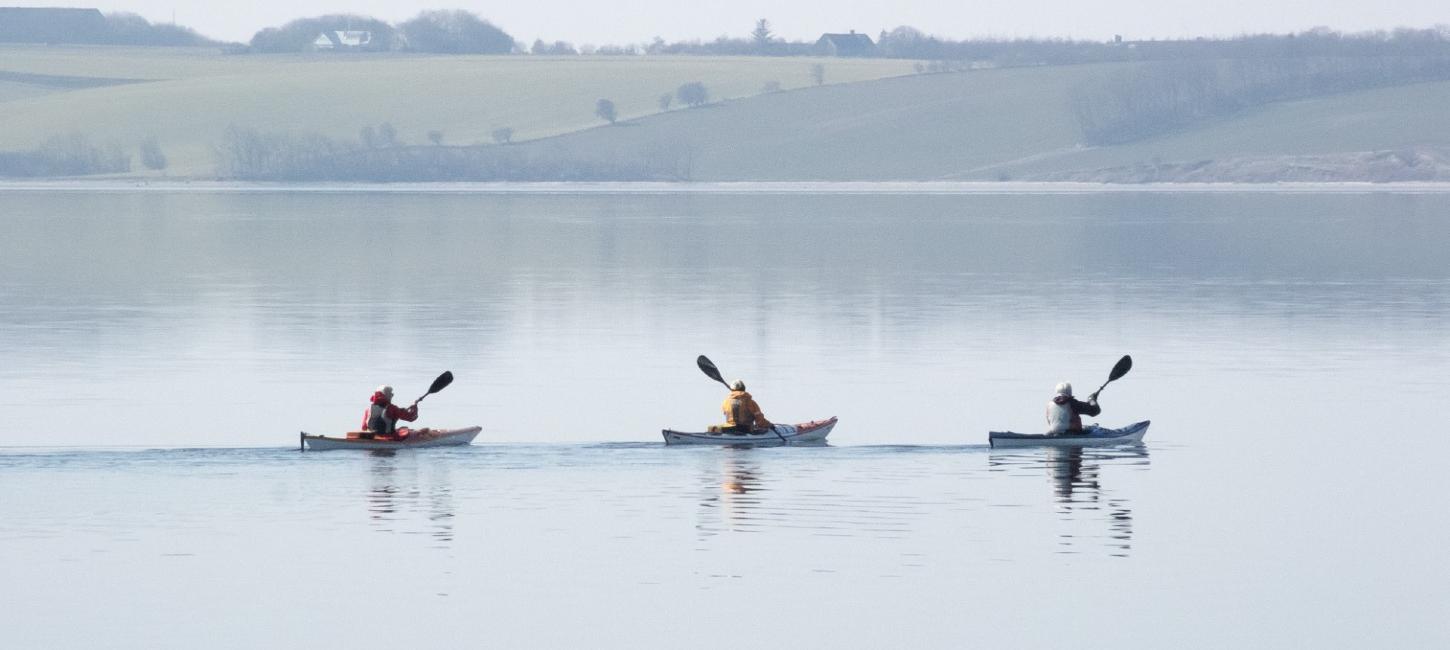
point(402, 499)
point(1075, 475)
point(732, 493)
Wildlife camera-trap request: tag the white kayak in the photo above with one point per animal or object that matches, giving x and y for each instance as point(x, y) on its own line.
point(417, 440)
point(1093, 436)
point(813, 432)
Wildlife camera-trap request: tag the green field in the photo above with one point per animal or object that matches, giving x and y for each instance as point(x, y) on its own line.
point(1011, 124)
point(920, 127)
point(196, 95)
point(1373, 120)
point(873, 120)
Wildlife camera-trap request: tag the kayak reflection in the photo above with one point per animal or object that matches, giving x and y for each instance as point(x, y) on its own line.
point(1075, 480)
point(400, 501)
point(731, 493)
point(1084, 503)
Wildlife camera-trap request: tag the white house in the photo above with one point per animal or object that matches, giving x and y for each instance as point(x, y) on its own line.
point(342, 40)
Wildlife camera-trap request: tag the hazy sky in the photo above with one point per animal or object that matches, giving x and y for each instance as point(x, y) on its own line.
point(640, 20)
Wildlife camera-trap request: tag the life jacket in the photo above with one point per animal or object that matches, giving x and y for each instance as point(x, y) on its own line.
point(376, 418)
point(1060, 416)
point(737, 410)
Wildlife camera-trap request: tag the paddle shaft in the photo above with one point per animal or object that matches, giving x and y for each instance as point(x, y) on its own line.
point(1119, 369)
point(440, 383)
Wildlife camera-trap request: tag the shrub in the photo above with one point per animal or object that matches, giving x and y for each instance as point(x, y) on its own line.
point(693, 93)
point(604, 109)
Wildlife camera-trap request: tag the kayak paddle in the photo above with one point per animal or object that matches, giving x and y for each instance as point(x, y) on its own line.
point(1123, 366)
point(708, 367)
point(438, 384)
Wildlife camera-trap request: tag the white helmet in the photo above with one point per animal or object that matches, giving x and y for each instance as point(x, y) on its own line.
point(386, 390)
point(738, 385)
point(1064, 388)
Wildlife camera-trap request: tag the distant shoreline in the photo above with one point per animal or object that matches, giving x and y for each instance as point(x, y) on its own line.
point(733, 187)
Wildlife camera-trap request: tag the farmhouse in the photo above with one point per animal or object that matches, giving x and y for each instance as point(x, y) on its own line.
point(51, 25)
point(851, 44)
point(343, 40)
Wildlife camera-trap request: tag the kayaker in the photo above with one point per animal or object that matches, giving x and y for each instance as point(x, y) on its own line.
point(381, 418)
point(742, 414)
point(1064, 414)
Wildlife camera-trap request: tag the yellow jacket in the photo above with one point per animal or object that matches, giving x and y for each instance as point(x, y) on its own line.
point(741, 411)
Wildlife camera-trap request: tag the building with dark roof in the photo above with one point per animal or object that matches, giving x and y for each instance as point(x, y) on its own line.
point(51, 25)
point(851, 44)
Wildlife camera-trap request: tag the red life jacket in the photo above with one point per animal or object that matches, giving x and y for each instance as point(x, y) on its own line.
point(376, 419)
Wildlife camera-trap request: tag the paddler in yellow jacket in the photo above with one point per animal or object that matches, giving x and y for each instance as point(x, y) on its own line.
point(742, 414)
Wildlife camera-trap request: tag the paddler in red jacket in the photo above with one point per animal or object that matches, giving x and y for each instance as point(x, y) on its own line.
point(381, 418)
point(742, 414)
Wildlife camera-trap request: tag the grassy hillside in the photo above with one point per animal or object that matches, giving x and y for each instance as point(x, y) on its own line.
point(920, 127)
point(874, 120)
point(996, 125)
point(123, 62)
point(1375, 120)
point(197, 96)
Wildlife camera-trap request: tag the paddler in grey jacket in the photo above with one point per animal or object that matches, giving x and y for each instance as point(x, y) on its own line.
point(1064, 414)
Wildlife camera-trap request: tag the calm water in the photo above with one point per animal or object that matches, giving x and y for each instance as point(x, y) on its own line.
point(162, 349)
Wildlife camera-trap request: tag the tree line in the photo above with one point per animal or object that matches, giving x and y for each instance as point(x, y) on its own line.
point(1159, 97)
point(910, 43)
point(378, 156)
point(437, 31)
point(77, 155)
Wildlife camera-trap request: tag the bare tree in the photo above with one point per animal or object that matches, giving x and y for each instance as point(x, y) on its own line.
point(151, 155)
point(436, 137)
point(665, 101)
point(761, 36)
point(818, 73)
point(605, 110)
point(387, 135)
point(503, 135)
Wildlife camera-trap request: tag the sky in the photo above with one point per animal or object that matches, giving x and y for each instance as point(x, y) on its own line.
point(638, 21)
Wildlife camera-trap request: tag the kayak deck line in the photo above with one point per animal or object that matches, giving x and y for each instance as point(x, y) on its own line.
point(1091, 437)
point(421, 438)
point(805, 433)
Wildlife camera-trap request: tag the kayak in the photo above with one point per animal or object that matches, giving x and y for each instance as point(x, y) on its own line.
point(1094, 436)
point(813, 432)
point(419, 439)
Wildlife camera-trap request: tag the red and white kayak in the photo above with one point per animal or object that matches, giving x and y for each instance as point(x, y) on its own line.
point(813, 432)
point(418, 439)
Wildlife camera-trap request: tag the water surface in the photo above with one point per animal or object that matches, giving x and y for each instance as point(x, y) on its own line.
point(162, 349)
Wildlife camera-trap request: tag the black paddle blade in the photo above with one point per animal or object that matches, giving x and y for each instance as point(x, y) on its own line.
point(708, 367)
point(1124, 365)
point(441, 382)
